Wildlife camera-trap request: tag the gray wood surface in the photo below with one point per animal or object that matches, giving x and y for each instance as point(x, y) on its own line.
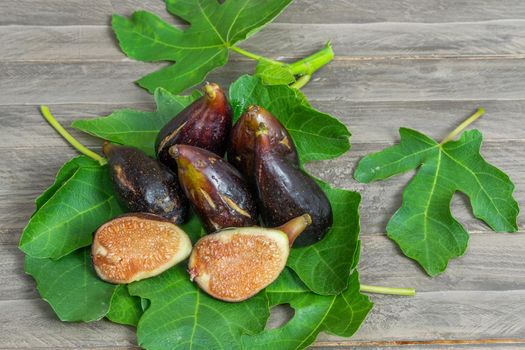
point(424, 64)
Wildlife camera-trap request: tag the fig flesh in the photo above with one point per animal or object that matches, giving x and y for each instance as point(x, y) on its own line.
point(216, 190)
point(137, 246)
point(236, 263)
point(143, 184)
point(241, 148)
point(206, 123)
point(285, 191)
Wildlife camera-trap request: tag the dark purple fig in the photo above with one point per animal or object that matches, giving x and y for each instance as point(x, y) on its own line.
point(285, 191)
point(143, 184)
point(216, 190)
point(206, 123)
point(241, 149)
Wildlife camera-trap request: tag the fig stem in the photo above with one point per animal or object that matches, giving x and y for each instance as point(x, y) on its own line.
point(387, 290)
point(303, 68)
point(463, 125)
point(63, 132)
point(310, 64)
point(302, 81)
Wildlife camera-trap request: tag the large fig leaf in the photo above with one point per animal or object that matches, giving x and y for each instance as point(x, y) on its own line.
point(424, 227)
point(125, 308)
point(325, 267)
point(180, 316)
point(70, 211)
point(335, 314)
point(316, 135)
point(71, 286)
point(214, 27)
point(137, 128)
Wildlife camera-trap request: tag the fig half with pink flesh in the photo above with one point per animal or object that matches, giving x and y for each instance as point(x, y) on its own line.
point(206, 123)
point(241, 148)
point(137, 246)
point(216, 190)
point(235, 264)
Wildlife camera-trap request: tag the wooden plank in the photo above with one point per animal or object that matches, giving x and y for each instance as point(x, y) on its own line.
point(369, 122)
point(389, 80)
point(26, 172)
point(430, 315)
point(73, 12)
point(357, 41)
point(493, 262)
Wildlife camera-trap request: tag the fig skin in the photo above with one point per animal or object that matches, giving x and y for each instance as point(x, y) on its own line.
point(135, 246)
point(216, 190)
point(143, 184)
point(241, 148)
point(285, 191)
point(234, 264)
point(206, 123)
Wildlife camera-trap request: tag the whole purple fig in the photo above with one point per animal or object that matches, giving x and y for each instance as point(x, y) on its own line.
point(216, 190)
point(206, 123)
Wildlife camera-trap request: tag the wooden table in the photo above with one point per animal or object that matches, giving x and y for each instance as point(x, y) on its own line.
point(424, 64)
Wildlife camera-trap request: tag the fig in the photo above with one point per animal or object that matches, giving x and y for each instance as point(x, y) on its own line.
point(241, 148)
point(216, 190)
point(137, 246)
point(236, 263)
point(143, 184)
point(206, 123)
point(285, 191)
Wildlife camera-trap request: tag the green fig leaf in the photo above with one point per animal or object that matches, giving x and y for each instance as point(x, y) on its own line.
point(181, 316)
point(134, 128)
point(70, 211)
point(71, 286)
point(316, 135)
point(424, 227)
point(214, 28)
point(274, 73)
point(125, 308)
point(339, 315)
point(325, 267)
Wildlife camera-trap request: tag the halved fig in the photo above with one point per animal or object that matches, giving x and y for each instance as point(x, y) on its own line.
point(216, 190)
point(137, 246)
point(284, 191)
point(206, 123)
point(236, 263)
point(143, 184)
point(241, 149)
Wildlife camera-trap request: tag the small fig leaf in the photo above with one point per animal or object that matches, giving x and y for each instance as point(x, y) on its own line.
point(137, 128)
point(125, 308)
point(214, 27)
point(71, 286)
point(339, 315)
point(67, 219)
point(191, 319)
point(272, 73)
point(325, 267)
point(424, 227)
point(316, 135)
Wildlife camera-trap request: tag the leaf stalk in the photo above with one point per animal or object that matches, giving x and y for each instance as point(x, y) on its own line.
point(69, 138)
point(463, 125)
point(304, 68)
point(387, 290)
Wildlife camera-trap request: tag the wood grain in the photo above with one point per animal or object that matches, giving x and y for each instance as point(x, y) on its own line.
point(493, 262)
point(388, 80)
point(24, 127)
point(19, 185)
point(74, 12)
point(429, 315)
point(350, 41)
